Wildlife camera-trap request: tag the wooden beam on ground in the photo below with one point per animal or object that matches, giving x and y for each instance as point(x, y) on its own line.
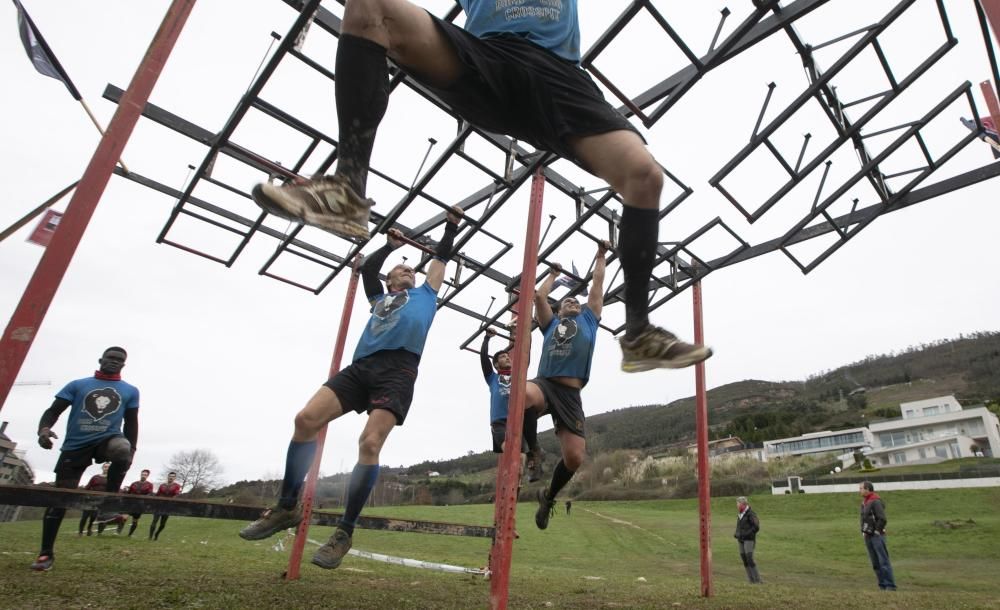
point(45, 496)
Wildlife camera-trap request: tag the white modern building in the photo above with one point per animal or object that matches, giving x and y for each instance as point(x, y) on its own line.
point(934, 430)
point(839, 442)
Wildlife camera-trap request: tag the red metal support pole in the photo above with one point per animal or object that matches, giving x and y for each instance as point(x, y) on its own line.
point(27, 318)
point(991, 102)
point(508, 474)
point(992, 10)
point(309, 491)
point(704, 482)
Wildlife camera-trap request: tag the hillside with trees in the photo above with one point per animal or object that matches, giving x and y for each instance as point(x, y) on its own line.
point(626, 446)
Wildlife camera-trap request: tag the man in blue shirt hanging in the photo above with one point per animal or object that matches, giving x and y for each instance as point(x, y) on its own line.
point(378, 382)
point(499, 383)
point(567, 353)
point(514, 69)
point(100, 406)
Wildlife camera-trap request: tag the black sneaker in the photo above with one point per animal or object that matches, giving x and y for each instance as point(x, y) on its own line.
point(332, 553)
point(656, 348)
point(271, 522)
point(43, 563)
point(535, 468)
point(328, 203)
point(546, 508)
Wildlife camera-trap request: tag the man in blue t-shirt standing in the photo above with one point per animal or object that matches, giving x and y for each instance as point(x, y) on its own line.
point(514, 69)
point(378, 382)
point(100, 406)
point(567, 352)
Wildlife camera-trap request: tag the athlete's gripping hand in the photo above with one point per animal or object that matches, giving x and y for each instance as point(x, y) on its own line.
point(45, 436)
point(395, 238)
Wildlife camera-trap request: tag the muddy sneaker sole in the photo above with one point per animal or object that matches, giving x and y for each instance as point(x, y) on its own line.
point(329, 556)
point(259, 530)
point(682, 361)
point(274, 201)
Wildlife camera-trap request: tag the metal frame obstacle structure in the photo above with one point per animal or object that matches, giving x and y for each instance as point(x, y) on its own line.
point(503, 166)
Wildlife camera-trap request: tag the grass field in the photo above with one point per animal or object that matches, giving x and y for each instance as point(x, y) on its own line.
point(605, 555)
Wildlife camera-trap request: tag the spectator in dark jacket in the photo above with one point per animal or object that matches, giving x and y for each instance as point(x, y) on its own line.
point(747, 526)
point(873, 530)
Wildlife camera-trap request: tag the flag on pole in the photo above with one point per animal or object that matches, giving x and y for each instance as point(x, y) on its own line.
point(46, 228)
point(39, 53)
point(569, 282)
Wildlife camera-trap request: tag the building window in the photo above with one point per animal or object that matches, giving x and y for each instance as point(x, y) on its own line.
point(923, 453)
point(931, 410)
point(899, 458)
point(955, 451)
point(941, 451)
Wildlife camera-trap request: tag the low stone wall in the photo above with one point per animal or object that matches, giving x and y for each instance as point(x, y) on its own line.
point(892, 485)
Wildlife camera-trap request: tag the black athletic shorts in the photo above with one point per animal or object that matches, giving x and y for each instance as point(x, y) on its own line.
point(71, 465)
point(499, 430)
point(383, 380)
point(512, 86)
point(564, 404)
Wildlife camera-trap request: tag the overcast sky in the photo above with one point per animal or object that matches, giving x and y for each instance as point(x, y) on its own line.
point(224, 357)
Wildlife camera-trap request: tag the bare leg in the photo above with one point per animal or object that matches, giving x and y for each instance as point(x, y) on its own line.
point(621, 158)
point(624, 162)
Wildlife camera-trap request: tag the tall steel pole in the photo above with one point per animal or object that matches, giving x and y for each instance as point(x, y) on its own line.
point(508, 474)
point(309, 491)
point(704, 483)
point(27, 318)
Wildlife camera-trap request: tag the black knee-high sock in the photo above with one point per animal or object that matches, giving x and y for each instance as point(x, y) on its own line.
point(363, 480)
point(116, 474)
point(560, 476)
point(135, 524)
point(297, 463)
point(83, 520)
point(362, 97)
point(50, 528)
point(529, 430)
point(637, 249)
point(152, 526)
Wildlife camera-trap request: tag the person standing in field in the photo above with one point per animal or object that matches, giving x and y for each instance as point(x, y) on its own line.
point(142, 487)
point(98, 482)
point(873, 522)
point(170, 489)
point(747, 526)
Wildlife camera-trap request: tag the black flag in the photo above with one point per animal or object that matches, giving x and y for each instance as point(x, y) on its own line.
point(39, 53)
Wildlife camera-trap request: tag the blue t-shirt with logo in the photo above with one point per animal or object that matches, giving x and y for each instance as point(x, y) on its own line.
point(551, 24)
point(97, 410)
point(400, 320)
point(568, 348)
point(499, 396)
